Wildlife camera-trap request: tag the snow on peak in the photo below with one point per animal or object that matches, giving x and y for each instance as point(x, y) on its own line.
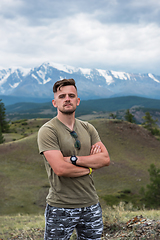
point(14, 85)
point(3, 78)
point(24, 71)
point(151, 76)
point(85, 71)
point(34, 76)
point(104, 73)
point(41, 74)
point(121, 75)
point(69, 69)
point(63, 67)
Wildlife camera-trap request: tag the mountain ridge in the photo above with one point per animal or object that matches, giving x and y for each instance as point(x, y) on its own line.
point(95, 83)
point(99, 107)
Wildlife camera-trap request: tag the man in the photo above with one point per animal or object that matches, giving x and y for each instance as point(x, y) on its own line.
point(72, 150)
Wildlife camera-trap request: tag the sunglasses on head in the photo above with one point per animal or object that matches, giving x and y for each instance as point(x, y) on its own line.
point(77, 142)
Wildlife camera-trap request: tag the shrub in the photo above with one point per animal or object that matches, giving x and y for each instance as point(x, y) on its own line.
point(24, 123)
point(155, 131)
point(129, 117)
point(152, 193)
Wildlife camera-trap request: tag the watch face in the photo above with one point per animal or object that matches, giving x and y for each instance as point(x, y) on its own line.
point(74, 158)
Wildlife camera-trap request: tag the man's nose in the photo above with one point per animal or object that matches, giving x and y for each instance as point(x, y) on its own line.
point(67, 98)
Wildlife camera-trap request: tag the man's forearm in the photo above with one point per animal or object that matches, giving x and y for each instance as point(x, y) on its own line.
point(61, 168)
point(98, 157)
point(94, 161)
point(74, 171)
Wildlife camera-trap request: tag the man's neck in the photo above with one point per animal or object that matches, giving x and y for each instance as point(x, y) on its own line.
point(67, 119)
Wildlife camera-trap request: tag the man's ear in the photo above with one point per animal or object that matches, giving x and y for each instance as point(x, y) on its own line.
point(78, 101)
point(54, 103)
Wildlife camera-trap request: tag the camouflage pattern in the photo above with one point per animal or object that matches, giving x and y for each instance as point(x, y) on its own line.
point(60, 222)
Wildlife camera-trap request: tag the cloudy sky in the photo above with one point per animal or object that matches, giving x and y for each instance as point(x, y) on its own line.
point(120, 35)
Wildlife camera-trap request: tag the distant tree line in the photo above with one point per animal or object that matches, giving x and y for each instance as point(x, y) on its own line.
point(149, 123)
point(4, 125)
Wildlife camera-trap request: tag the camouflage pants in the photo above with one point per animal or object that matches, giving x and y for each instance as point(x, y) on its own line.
point(60, 222)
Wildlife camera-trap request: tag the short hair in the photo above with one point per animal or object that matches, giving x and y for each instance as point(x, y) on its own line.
point(62, 83)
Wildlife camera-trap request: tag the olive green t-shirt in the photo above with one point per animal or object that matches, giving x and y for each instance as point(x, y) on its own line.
point(68, 192)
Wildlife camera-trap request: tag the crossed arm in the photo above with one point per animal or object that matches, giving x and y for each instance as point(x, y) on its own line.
point(62, 166)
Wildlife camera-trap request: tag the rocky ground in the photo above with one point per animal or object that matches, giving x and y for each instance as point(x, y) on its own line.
point(137, 228)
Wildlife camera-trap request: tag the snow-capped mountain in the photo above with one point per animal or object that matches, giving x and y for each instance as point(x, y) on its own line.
point(91, 83)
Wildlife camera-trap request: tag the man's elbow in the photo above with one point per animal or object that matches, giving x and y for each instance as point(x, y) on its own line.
point(59, 172)
point(107, 160)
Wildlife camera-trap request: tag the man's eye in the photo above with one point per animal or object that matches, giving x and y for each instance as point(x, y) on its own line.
point(61, 96)
point(71, 95)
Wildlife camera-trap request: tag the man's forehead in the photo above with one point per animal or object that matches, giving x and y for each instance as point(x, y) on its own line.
point(66, 90)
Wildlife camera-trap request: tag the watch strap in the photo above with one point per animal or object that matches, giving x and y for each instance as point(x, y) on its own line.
point(73, 159)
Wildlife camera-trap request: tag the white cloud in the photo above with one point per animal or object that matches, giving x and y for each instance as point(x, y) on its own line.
point(97, 35)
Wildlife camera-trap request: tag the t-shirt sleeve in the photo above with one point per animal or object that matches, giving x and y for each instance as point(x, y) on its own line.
point(94, 134)
point(47, 139)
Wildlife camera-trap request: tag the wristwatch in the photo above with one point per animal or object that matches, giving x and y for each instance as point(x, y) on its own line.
point(73, 159)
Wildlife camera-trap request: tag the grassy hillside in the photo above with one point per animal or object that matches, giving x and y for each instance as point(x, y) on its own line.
point(23, 180)
point(132, 149)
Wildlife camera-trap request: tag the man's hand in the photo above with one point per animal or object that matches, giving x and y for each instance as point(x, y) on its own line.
point(98, 157)
point(95, 149)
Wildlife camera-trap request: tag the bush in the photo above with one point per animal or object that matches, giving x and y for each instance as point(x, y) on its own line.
point(155, 131)
point(1, 136)
point(149, 123)
point(24, 123)
point(129, 117)
point(152, 193)
point(4, 125)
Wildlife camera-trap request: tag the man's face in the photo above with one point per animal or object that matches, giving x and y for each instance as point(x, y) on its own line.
point(66, 99)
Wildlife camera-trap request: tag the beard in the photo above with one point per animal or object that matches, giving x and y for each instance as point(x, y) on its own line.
point(67, 111)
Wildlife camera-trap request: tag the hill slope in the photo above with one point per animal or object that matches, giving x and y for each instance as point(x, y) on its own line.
point(23, 180)
point(132, 149)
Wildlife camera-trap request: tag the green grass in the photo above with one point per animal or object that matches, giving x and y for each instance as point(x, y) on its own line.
point(132, 149)
point(25, 226)
point(22, 128)
point(23, 179)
